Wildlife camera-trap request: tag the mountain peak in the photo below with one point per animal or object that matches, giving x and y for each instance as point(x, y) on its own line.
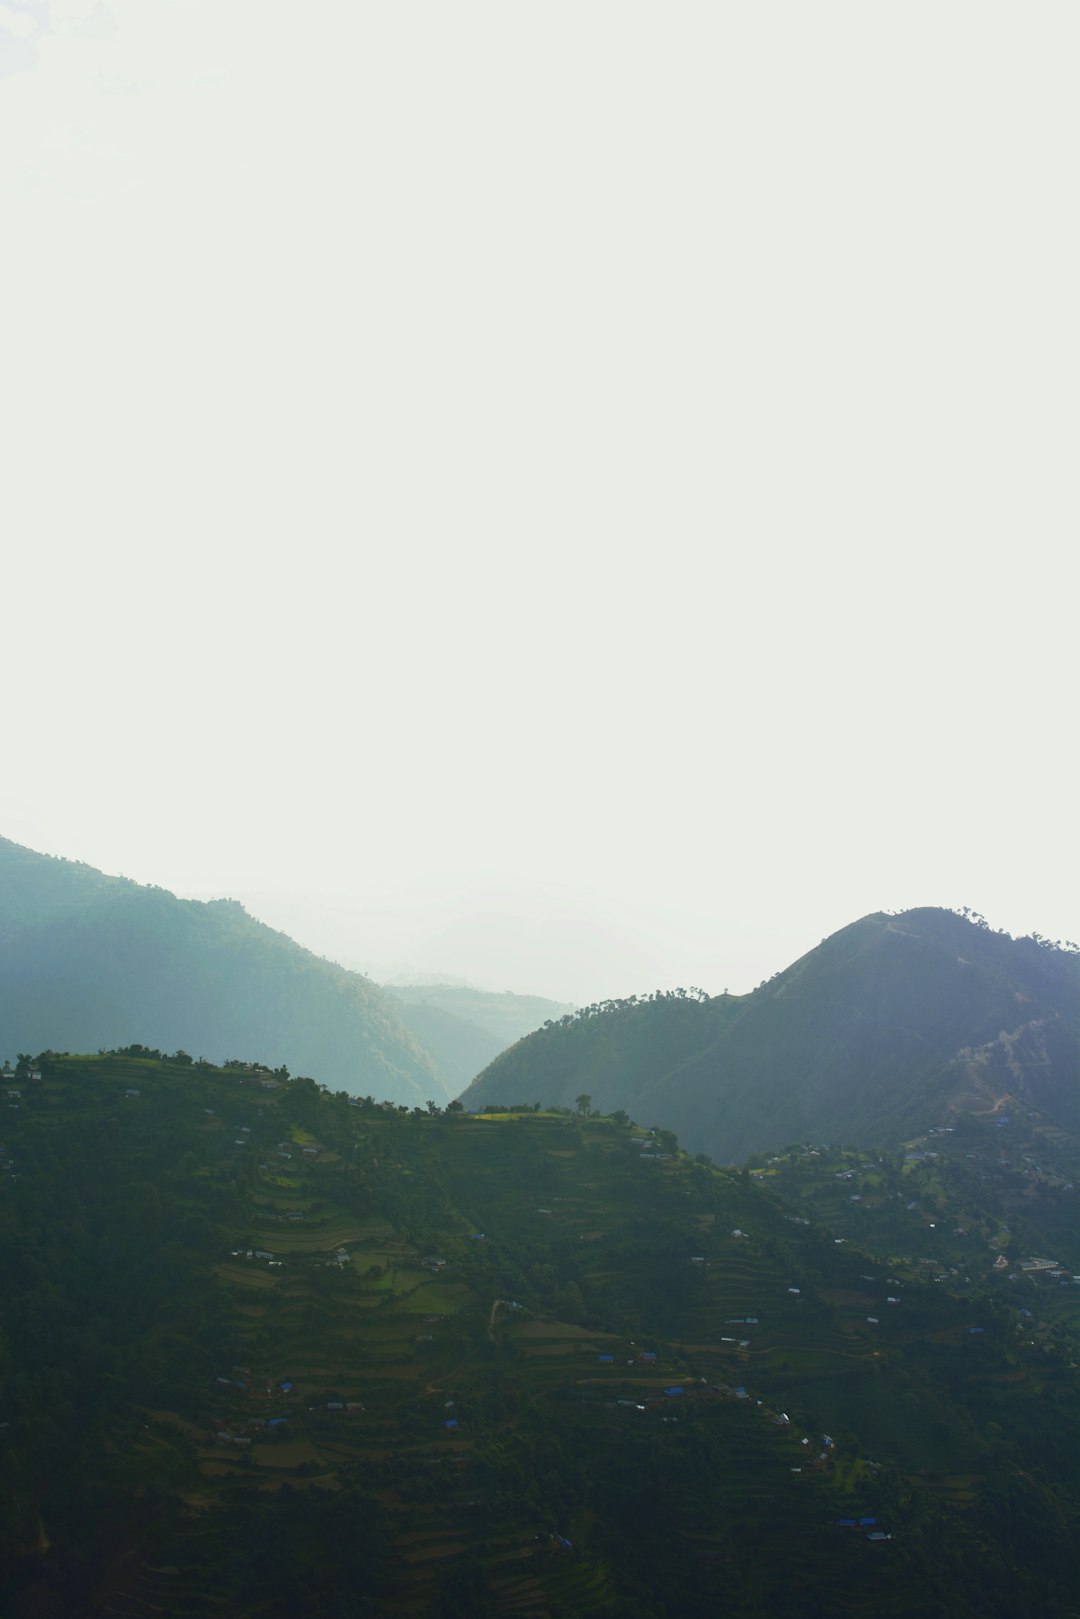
point(889, 1025)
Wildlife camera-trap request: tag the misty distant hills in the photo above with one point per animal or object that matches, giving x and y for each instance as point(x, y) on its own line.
point(465, 1029)
point(89, 961)
point(889, 1026)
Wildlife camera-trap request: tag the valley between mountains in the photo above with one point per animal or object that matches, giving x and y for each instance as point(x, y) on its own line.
point(688, 1304)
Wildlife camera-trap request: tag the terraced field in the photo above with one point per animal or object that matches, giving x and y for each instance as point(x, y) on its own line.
point(519, 1365)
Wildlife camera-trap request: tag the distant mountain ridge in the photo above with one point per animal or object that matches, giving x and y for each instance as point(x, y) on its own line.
point(505, 1014)
point(883, 1029)
point(89, 961)
point(466, 1028)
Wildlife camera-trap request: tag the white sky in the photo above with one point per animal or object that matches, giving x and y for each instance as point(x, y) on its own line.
point(578, 496)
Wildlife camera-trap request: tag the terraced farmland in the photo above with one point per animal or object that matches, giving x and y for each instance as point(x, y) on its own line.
point(516, 1365)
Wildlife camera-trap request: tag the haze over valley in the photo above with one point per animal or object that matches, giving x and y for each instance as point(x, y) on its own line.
point(539, 578)
point(401, 1344)
point(893, 1024)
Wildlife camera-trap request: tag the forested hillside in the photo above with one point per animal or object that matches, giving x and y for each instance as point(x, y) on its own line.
point(270, 1352)
point(889, 1026)
point(90, 961)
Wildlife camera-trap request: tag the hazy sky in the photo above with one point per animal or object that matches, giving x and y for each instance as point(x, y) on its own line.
point(578, 496)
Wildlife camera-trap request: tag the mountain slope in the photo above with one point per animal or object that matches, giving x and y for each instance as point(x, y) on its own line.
point(90, 961)
point(884, 1028)
point(461, 1050)
point(270, 1354)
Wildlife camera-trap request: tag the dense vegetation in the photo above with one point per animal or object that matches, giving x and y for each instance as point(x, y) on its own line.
point(269, 1350)
point(90, 961)
point(889, 1026)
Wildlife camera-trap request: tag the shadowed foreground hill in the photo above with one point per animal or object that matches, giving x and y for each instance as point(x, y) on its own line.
point(887, 1027)
point(271, 1353)
point(90, 961)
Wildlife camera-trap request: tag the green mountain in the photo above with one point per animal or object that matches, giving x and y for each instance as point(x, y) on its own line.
point(89, 961)
point(891, 1025)
point(269, 1351)
point(465, 1029)
point(984, 1201)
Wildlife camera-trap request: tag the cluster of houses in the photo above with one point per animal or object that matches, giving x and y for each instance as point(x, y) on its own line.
point(864, 1523)
point(1052, 1269)
point(677, 1391)
point(284, 1149)
point(9, 1075)
point(222, 1436)
point(240, 1382)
